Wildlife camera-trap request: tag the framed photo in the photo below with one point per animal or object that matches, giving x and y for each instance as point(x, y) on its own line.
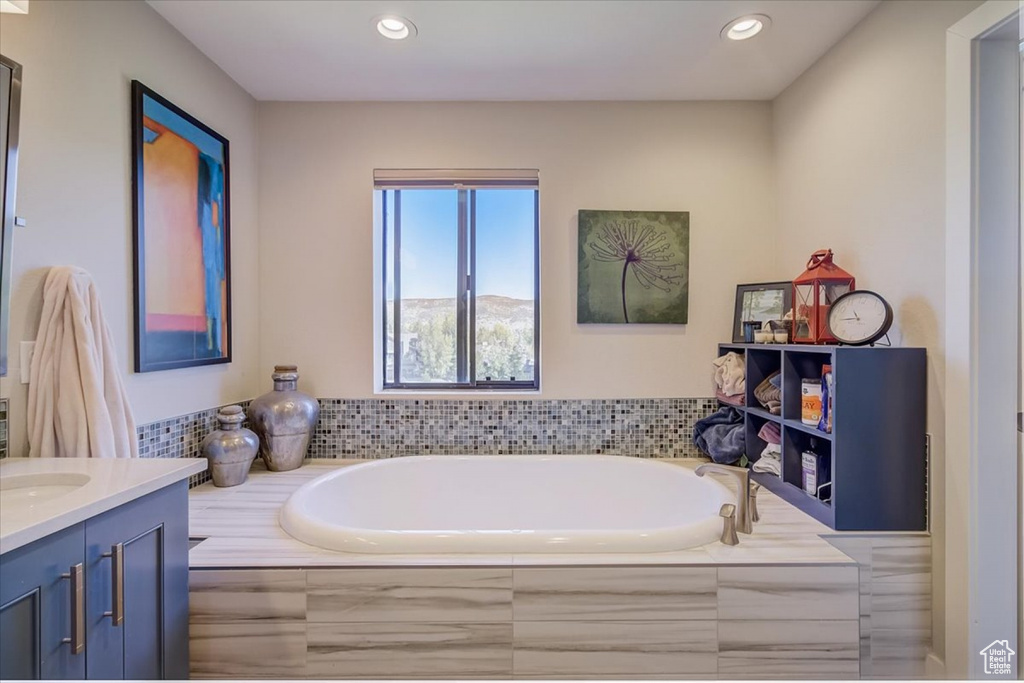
point(182, 235)
point(760, 302)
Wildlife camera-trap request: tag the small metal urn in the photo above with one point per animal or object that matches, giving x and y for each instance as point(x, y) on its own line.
point(284, 420)
point(230, 449)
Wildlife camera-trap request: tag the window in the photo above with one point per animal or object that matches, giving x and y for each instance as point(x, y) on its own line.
point(460, 279)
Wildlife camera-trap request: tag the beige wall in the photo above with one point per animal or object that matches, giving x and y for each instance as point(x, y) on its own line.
point(316, 236)
point(74, 184)
point(860, 153)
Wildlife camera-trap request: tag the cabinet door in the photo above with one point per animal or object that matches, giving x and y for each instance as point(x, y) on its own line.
point(137, 600)
point(41, 607)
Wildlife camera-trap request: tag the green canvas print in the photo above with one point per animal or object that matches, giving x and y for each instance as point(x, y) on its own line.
point(634, 267)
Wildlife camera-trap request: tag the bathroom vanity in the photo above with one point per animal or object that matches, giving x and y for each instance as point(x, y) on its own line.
point(94, 568)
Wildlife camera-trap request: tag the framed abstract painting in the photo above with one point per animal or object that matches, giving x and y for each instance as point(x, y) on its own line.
point(182, 234)
point(634, 267)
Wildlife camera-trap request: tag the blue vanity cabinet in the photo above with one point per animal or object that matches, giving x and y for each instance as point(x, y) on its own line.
point(104, 599)
point(136, 560)
point(42, 597)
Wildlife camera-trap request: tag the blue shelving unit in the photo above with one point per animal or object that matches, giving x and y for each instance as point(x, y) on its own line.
point(877, 448)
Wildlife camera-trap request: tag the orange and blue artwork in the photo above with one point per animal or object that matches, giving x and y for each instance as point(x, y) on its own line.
point(182, 237)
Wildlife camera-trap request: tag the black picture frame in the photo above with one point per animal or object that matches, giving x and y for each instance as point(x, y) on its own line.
point(146, 357)
point(786, 287)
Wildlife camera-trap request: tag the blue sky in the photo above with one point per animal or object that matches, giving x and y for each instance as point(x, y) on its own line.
point(504, 248)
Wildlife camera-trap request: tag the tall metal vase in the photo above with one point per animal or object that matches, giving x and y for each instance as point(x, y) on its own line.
point(230, 449)
point(284, 419)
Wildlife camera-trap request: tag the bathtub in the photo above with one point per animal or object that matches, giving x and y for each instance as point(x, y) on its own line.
point(507, 504)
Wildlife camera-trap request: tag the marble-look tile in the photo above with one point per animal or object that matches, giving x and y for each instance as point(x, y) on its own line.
point(243, 531)
point(225, 551)
point(901, 558)
point(618, 677)
point(767, 593)
point(901, 605)
point(405, 650)
point(766, 547)
point(788, 649)
point(899, 653)
point(409, 595)
point(615, 648)
point(857, 547)
point(673, 558)
point(246, 595)
point(624, 593)
point(248, 649)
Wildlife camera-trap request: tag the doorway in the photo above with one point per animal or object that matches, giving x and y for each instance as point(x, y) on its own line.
point(983, 324)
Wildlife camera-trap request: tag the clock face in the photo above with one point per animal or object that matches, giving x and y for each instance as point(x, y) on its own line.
point(860, 317)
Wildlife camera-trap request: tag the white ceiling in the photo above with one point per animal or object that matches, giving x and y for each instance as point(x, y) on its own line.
point(316, 50)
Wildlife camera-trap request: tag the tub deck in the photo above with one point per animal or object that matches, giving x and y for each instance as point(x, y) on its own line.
point(241, 530)
point(792, 600)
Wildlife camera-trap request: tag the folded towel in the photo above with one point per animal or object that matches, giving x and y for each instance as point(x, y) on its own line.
point(770, 433)
point(77, 403)
point(768, 465)
point(730, 372)
point(769, 395)
point(770, 460)
point(721, 435)
point(737, 400)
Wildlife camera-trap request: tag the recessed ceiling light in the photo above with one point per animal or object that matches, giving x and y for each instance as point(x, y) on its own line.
point(746, 27)
point(14, 6)
point(395, 27)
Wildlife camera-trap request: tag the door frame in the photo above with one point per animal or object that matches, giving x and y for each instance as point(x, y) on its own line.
point(982, 283)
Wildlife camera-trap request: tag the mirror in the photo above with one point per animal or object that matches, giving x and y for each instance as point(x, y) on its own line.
point(10, 106)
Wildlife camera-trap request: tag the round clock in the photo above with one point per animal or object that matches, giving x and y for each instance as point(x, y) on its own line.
point(859, 317)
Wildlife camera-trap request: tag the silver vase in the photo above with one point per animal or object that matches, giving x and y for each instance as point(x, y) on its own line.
point(284, 420)
point(230, 449)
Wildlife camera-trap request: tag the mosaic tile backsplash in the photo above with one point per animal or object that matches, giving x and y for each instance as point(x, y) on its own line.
point(385, 428)
point(3, 427)
point(179, 437)
point(382, 428)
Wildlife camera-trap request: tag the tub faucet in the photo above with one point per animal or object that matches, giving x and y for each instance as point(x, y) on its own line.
point(728, 515)
point(742, 475)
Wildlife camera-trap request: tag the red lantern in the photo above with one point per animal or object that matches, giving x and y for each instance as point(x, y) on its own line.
point(813, 293)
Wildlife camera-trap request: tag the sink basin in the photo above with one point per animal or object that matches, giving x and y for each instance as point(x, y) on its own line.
point(25, 491)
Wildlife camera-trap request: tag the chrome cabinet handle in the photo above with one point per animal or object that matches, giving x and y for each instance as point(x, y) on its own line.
point(116, 556)
point(77, 577)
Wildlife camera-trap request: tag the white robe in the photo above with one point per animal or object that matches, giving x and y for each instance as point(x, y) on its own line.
point(77, 404)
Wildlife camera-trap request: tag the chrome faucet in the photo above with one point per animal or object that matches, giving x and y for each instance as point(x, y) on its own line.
point(744, 525)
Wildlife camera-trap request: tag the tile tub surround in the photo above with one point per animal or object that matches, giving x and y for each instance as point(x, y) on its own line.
point(785, 603)
point(895, 602)
point(381, 428)
point(240, 525)
point(385, 428)
point(500, 622)
point(3, 427)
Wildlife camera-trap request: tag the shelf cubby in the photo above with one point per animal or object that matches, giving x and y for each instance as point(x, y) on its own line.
point(876, 450)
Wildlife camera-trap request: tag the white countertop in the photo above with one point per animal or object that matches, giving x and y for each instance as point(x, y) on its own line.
point(112, 482)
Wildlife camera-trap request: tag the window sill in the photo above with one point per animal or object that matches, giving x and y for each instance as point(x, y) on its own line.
point(460, 393)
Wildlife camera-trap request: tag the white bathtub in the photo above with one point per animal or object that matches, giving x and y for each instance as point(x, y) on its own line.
point(507, 504)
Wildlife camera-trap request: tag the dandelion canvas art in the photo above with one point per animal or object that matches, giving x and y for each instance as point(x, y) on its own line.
point(634, 267)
